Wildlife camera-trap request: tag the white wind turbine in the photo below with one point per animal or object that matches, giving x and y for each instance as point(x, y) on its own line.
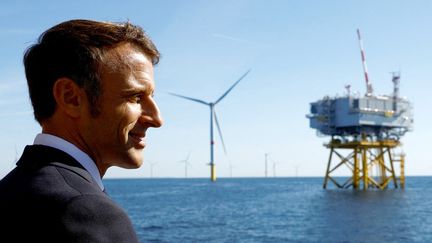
point(152, 164)
point(213, 116)
point(187, 164)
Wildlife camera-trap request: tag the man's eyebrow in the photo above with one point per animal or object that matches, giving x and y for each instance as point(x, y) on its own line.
point(138, 90)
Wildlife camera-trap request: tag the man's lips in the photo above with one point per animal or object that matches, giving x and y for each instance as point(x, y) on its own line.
point(138, 139)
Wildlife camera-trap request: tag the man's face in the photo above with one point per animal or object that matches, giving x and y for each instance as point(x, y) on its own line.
point(127, 109)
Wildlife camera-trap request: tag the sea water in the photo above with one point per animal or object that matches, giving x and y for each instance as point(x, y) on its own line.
point(273, 210)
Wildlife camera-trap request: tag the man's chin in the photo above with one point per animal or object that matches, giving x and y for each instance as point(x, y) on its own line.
point(129, 166)
point(132, 163)
point(135, 165)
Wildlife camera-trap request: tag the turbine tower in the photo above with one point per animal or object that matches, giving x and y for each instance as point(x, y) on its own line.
point(213, 116)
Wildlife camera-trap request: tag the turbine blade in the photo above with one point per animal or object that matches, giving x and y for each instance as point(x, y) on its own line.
point(220, 132)
point(189, 98)
point(238, 81)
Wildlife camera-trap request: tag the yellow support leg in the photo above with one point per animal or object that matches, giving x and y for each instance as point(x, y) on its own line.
point(365, 169)
point(366, 156)
point(402, 171)
point(327, 175)
point(356, 175)
point(381, 167)
point(391, 159)
point(212, 172)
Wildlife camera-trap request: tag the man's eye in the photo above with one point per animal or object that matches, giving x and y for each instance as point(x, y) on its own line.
point(137, 98)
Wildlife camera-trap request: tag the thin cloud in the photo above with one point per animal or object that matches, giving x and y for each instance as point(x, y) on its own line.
point(231, 38)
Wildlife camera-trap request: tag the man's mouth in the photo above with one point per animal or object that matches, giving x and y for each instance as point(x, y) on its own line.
point(138, 139)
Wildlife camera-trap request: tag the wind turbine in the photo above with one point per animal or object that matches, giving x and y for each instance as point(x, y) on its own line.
point(274, 165)
point(213, 116)
point(296, 170)
point(274, 168)
point(186, 162)
point(266, 155)
point(152, 164)
point(231, 168)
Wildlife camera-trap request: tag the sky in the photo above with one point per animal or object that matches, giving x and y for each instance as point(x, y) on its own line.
point(298, 52)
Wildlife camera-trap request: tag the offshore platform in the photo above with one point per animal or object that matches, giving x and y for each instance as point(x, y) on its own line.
point(365, 134)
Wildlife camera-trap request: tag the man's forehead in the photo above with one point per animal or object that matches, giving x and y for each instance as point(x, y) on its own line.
point(125, 56)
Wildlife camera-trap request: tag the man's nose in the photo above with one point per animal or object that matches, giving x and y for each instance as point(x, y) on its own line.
point(151, 114)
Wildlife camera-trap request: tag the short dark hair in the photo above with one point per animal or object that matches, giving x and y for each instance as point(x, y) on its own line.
point(74, 49)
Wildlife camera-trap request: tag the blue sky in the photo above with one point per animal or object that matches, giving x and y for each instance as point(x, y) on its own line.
point(299, 51)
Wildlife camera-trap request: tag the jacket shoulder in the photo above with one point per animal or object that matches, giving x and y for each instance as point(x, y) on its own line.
point(96, 218)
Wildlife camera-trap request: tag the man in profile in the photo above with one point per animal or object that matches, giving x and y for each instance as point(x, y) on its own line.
point(91, 86)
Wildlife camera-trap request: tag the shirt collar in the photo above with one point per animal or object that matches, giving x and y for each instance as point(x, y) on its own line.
point(72, 150)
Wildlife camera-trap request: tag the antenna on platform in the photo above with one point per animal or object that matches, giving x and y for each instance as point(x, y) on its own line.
point(396, 81)
point(348, 89)
point(213, 117)
point(369, 89)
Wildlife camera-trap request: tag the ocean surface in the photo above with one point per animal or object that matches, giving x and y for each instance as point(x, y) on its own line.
point(273, 210)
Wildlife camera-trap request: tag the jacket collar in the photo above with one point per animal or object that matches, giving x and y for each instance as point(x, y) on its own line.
point(35, 157)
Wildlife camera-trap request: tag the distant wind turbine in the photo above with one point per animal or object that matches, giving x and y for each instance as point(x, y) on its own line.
point(231, 168)
point(213, 117)
point(152, 164)
point(274, 165)
point(274, 168)
point(296, 170)
point(187, 164)
point(266, 155)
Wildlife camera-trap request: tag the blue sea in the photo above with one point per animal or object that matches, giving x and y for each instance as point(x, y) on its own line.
point(273, 210)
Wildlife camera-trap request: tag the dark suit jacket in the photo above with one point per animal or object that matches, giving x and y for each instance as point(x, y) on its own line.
point(50, 197)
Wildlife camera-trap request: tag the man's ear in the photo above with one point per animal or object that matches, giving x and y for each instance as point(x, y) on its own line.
point(69, 97)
